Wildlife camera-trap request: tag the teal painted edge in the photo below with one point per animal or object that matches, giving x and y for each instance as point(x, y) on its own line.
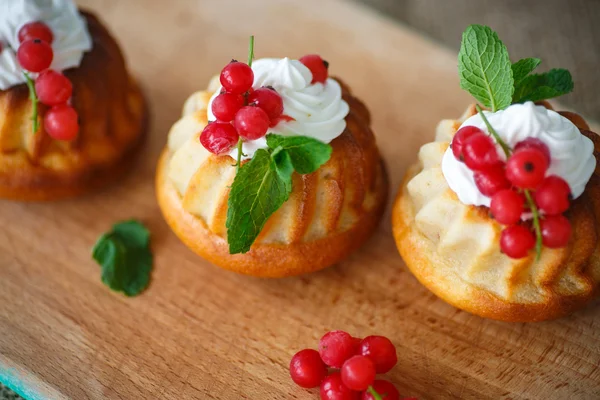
point(11, 379)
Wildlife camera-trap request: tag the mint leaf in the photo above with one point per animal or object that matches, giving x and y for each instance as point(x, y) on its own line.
point(125, 257)
point(485, 68)
point(306, 154)
point(537, 87)
point(260, 187)
point(524, 67)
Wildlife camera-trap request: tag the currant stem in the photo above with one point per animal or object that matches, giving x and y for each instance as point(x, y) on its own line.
point(497, 137)
point(376, 396)
point(251, 51)
point(34, 102)
point(536, 224)
point(239, 155)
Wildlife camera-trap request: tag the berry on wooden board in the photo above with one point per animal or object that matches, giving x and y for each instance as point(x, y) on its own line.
point(381, 351)
point(358, 372)
point(219, 137)
point(517, 241)
point(317, 66)
point(53, 88)
point(35, 55)
point(35, 30)
point(386, 390)
point(307, 369)
point(237, 77)
point(336, 347)
point(332, 388)
point(61, 122)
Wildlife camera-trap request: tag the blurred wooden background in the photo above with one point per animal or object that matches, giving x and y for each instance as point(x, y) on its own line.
point(563, 33)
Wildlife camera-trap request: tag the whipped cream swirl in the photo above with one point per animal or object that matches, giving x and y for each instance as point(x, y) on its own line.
point(318, 109)
point(71, 36)
point(572, 153)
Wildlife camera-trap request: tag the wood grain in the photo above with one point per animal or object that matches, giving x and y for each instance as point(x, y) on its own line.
point(203, 333)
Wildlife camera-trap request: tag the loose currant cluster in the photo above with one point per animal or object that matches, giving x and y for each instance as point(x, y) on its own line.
point(516, 187)
point(243, 113)
point(355, 362)
point(51, 88)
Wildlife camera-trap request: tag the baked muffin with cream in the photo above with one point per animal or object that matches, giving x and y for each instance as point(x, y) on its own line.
point(70, 113)
point(501, 213)
point(273, 170)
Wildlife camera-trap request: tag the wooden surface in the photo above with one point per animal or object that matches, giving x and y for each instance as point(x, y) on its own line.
point(203, 333)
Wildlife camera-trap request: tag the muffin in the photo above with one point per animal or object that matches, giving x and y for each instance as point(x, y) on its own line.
point(49, 155)
point(330, 211)
point(509, 233)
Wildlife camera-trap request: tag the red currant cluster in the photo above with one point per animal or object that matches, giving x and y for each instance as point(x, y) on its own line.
point(52, 87)
point(358, 362)
point(244, 113)
point(517, 186)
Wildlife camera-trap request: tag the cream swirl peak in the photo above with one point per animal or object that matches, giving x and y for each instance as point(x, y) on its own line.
point(318, 110)
point(572, 153)
point(71, 36)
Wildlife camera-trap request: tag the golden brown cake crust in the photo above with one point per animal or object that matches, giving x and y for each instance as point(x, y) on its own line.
point(113, 120)
point(581, 258)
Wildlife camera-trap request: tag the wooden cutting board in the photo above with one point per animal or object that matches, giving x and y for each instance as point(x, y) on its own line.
point(202, 333)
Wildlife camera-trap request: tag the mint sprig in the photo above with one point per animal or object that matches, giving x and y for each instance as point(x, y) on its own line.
point(125, 257)
point(262, 185)
point(34, 102)
point(537, 87)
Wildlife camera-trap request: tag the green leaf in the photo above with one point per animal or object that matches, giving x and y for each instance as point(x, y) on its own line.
point(125, 257)
point(485, 68)
point(537, 87)
point(260, 187)
point(524, 67)
point(306, 154)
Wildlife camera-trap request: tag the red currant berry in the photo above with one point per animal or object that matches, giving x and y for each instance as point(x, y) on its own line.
point(307, 369)
point(36, 30)
point(269, 100)
point(335, 347)
point(507, 206)
point(526, 168)
point(226, 105)
point(535, 143)
point(237, 77)
point(556, 231)
point(480, 152)
point(219, 137)
point(386, 390)
point(358, 372)
point(381, 351)
point(252, 122)
point(35, 55)
point(61, 122)
point(318, 67)
point(553, 196)
point(53, 88)
point(459, 140)
point(516, 241)
point(490, 181)
point(332, 388)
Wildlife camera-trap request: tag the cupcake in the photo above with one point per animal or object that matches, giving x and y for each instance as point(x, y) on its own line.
point(499, 216)
point(273, 170)
point(70, 114)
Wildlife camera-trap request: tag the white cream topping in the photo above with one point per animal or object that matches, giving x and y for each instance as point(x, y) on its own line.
point(318, 109)
point(572, 153)
point(71, 36)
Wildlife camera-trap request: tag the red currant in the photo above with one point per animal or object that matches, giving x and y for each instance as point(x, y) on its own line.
point(358, 372)
point(237, 77)
point(226, 105)
point(386, 390)
point(61, 122)
point(381, 351)
point(553, 196)
point(516, 241)
point(53, 88)
point(526, 168)
point(490, 181)
point(480, 152)
point(507, 206)
point(335, 347)
point(536, 143)
point(35, 55)
point(332, 388)
point(269, 100)
point(318, 67)
point(252, 122)
point(36, 30)
point(459, 140)
point(219, 137)
point(556, 231)
point(307, 369)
